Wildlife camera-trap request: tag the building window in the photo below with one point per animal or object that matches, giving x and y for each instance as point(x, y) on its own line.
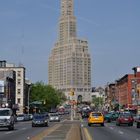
point(19, 81)
point(19, 91)
point(18, 100)
point(19, 73)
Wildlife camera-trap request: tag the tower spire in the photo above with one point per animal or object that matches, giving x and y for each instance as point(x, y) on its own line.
point(66, 7)
point(67, 23)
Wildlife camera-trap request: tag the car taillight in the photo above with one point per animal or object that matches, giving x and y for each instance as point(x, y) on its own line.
point(131, 119)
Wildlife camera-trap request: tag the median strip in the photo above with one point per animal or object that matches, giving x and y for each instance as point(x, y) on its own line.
point(45, 133)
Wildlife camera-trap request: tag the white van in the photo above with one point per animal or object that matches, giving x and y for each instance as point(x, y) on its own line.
point(7, 118)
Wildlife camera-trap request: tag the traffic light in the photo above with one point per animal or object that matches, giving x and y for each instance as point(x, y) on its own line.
point(72, 93)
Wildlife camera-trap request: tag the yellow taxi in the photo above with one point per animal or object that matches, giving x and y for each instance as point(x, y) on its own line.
point(96, 118)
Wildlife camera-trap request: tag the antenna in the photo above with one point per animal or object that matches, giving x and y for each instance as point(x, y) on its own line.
point(21, 50)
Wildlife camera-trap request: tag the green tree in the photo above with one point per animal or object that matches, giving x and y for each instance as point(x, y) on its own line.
point(46, 94)
point(97, 101)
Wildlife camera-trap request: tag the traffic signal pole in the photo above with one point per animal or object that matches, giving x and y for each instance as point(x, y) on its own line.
point(72, 104)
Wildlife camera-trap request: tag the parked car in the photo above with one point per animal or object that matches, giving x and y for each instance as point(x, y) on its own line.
point(20, 117)
point(125, 118)
point(54, 117)
point(30, 116)
point(96, 118)
point(40, 120)
point(26, 117)
point(111, 116)
point(7, 118)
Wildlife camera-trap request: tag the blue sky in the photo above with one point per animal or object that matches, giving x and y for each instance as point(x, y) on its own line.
point(29, 28)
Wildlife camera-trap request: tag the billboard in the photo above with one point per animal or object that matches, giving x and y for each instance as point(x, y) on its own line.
point(1, 86)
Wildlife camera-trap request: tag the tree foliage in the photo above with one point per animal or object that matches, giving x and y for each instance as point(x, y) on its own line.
point(97, 101)
point(49, 96)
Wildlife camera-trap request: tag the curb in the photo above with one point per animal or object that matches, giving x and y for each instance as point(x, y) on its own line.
point(83, 137)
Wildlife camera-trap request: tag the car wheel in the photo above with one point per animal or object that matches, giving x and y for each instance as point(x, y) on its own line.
point(33, 125)
point(102, 124)
point(109, 120)
point(89, 124)
point(138, 124)
point(11, 127)
point(130, 124)
point(117, 123)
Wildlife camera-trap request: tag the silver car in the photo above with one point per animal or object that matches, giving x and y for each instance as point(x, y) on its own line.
point(7, 118)
point(54, 117)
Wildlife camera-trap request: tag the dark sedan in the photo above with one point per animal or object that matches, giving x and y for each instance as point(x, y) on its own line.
point(39, 120)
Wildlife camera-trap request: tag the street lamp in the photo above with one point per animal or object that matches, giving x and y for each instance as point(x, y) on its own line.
point(28, 95)
point(28, 98)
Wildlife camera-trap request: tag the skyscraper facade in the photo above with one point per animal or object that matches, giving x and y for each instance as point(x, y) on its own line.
point(69, 62)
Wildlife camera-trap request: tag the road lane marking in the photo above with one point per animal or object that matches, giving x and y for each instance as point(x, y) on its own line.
point(24, 128)
point(88, 136)
point(111, 128)
point(121, 132)
point(9, 132)
point(46, 132)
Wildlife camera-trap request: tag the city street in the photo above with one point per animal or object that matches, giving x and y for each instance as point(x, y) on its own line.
point(110, 132)
point(24, 131)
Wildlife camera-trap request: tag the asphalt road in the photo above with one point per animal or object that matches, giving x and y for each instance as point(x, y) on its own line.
point(111, 132)
point(25, 131)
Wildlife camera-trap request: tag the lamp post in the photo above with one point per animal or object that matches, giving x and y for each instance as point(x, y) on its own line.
point(29, 98)
point(28, 95)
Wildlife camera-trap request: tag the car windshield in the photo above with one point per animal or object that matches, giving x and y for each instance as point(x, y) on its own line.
point(53, 114)
point(108, 114)
point(4, 112)
point(39, 117)
point(21, 115)
point(125, 115)
point(96, 114)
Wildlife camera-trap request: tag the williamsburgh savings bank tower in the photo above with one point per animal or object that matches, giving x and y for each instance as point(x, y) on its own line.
point(69, 61)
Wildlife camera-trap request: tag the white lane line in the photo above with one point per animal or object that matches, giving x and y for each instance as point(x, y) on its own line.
point(24, 128)
point(9, 132)
point(28, 138)
point(121, 132)
point(111, 128)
